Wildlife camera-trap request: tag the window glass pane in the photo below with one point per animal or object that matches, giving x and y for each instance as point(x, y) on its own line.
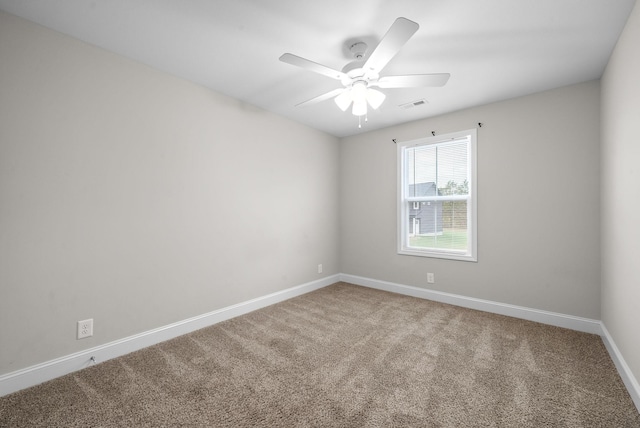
point(421, 171)
point(452, 168)
point(437, 201)
point(438, 224)
point(442, 165)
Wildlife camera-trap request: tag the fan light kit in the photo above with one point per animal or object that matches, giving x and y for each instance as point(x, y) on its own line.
point(360, 77)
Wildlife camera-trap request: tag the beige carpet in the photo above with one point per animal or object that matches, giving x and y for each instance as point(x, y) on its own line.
point(345, 356)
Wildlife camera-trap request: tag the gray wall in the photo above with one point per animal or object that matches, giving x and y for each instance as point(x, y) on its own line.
point(139, 199)
point(538, 204)
point(620, 200)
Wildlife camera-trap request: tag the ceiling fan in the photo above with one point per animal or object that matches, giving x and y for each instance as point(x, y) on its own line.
point(362, 75)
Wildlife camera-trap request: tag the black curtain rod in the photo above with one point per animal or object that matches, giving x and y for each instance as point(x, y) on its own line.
point(433, 133)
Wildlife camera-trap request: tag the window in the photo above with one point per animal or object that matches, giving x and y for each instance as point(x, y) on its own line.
point(437, 196)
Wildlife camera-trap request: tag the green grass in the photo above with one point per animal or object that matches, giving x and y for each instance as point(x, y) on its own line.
point(452, 239)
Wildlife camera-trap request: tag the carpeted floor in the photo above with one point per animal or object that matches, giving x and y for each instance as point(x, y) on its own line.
point(345, 356)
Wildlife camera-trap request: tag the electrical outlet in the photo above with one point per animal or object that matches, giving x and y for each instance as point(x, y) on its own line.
point(320, 268)
point(85, 328)
point(430, 278)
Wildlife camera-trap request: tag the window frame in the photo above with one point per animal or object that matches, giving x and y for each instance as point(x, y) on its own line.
point(403, 226)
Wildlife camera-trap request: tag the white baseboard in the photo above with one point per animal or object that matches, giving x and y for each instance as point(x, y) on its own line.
point(552, 318)
point(623, 369)
point(43, 372)
point(559, 320)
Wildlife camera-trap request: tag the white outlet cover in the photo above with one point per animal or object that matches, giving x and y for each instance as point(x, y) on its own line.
point(85, 328)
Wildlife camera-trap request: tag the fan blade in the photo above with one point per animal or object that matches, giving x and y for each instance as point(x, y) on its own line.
point(414, 81)
point(400, 32)
point(322, 97)
point(312, 66)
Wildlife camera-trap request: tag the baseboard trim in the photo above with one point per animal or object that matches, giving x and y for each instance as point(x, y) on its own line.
point(552, 318)
point(43, 372)
point(545, 317)
point(623, 369)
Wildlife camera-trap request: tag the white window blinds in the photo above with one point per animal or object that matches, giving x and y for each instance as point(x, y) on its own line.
point(437, 197)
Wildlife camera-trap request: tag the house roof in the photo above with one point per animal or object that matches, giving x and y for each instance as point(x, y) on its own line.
point(423, 189)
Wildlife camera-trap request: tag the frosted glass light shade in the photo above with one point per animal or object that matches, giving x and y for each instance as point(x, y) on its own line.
point(359, 95)
point(344, 100)
point(359, 107)
point(359, 91)
point(375, 98)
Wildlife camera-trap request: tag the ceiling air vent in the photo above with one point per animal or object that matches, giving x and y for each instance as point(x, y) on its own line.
point(412, 104)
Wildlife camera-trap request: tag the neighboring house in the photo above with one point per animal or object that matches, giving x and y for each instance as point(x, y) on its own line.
point(425, 217)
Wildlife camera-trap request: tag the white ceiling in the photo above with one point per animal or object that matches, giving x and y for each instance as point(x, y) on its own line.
point(493, 49)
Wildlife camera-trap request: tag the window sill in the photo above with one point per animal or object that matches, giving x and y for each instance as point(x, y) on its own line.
point(450, 255)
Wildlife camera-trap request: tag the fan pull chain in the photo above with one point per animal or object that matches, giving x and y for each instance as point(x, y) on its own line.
point(366, 119)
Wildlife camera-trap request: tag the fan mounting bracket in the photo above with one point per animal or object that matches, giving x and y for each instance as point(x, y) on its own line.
point(358, 50)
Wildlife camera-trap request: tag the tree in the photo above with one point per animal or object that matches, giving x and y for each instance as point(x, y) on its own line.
point(452, 188)
point(454, 213)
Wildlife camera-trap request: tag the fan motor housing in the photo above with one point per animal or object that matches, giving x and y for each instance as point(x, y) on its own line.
point(355, 72)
